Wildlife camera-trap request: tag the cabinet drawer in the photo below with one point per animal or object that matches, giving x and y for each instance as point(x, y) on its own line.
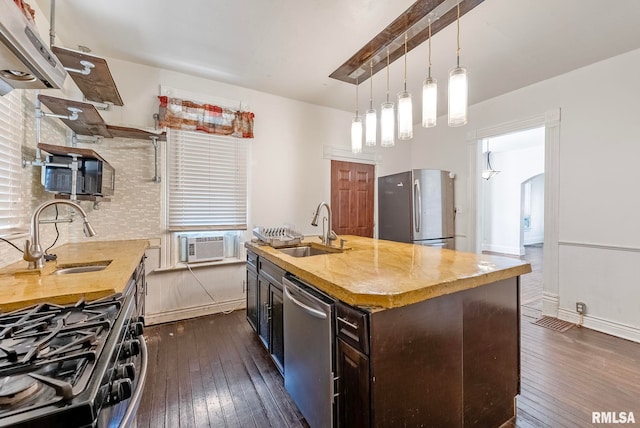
point(353, 327)
point(252, 259)
point(270, 271)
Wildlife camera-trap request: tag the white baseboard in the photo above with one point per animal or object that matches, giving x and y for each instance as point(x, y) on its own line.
point(602, 325)
point(194, 312)
point(550, 304)
point(538, 239)
point(503, 249)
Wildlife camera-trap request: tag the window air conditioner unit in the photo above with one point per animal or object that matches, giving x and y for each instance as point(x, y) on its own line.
point(203, 249)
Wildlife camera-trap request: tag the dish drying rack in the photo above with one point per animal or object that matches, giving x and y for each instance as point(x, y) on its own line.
point(278, 236)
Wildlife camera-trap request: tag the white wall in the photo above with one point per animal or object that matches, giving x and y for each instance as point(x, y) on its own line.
point(599, 152)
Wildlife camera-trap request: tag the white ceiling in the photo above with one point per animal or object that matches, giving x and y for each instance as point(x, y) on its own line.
point(289, 47)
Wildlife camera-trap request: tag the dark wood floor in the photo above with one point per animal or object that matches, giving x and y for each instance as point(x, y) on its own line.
point(213, 372)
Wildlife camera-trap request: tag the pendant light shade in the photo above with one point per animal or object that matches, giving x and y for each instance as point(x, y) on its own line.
point(429, 102)
point(405, 105)
point(356, 129)
point(458, 93)
point(458, 88)
point(387, 117)
point(429, 95)
point(387, 125)
point(489, 171)
point(405, 116)
point(371, 125)
point(356, 135)
point(371, 119)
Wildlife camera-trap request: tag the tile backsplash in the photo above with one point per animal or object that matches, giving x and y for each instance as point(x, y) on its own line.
point(134, 210)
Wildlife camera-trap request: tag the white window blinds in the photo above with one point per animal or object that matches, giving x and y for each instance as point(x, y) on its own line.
point(207, 181)
point(10, 161)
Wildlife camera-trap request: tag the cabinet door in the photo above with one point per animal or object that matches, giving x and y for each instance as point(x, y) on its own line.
point(353, 387)
point(277, 327)
point(264, 311)
point(252, 298)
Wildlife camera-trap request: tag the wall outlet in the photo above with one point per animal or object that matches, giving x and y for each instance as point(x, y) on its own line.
point(581, 308)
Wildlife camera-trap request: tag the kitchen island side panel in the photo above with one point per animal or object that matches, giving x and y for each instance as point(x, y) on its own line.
point(451, 361)
point(416, 364)
point(491, 353)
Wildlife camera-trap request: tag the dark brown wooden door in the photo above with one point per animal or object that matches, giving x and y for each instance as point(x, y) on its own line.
point(352, 198)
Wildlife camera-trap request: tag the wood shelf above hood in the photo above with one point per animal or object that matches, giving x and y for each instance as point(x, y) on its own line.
point(90, 123)
point(98, 85)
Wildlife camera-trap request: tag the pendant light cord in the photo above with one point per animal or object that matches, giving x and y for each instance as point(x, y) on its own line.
point(357, 97)
point(429, 47)
point(458, 38)
point(405, 62)
point(371, 85)
point(387, 73)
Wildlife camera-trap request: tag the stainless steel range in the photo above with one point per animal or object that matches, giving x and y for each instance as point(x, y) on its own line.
point(73, 366)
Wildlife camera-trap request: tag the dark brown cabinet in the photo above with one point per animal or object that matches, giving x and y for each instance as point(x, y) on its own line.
point(252, 297)
point(353, 387)
point(252, 289)
point(276, 324)
point(264, 311)
point(265, 305)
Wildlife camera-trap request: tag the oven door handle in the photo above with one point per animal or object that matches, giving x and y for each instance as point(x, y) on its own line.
point(137, 395)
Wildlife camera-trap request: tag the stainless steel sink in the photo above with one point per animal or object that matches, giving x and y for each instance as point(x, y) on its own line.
point(66, 270)
point(306, 251)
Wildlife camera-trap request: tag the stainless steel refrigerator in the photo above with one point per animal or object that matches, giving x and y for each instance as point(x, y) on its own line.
point(417, 207)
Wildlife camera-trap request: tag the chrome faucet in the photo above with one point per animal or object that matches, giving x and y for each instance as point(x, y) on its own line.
point(32, 250)
point(327, 235)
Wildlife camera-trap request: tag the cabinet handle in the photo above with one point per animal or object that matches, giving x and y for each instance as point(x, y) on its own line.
point(267, 308)
point(350, 324)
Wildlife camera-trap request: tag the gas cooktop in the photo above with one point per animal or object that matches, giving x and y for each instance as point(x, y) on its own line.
point(64, 362)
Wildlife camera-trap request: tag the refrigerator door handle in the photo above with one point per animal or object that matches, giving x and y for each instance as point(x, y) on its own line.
point(417, 205)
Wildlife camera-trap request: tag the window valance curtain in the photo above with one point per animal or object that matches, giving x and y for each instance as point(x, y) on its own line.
point(191, 116)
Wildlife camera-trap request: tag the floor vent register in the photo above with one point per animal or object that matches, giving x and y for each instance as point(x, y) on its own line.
point(554, 324)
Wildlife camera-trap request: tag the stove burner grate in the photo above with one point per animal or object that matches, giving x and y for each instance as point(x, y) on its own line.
point(14, 389)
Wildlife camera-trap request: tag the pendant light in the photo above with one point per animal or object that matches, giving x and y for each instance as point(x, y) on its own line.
point(458, 88)
point(356, 129)
point(371, 120)
point(429, 94)
point(489, 172)
point(405, 106)
point(387, 117)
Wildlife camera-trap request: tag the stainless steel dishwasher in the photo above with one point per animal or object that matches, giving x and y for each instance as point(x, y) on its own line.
point(308, 351)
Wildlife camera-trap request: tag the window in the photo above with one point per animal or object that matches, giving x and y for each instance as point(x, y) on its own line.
point(10, 162)
point(207, 182)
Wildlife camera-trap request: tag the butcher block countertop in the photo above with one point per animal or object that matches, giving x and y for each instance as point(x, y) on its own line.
point(376, 274)
point(21, 287)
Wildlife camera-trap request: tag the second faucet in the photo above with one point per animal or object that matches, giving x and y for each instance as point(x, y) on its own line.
point(327, 235)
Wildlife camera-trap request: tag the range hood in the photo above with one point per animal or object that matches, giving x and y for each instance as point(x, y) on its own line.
point(25, 60)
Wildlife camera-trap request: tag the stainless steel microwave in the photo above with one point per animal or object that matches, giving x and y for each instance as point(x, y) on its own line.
point(94, 177)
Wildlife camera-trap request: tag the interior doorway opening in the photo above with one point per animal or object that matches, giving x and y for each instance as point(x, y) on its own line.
point(512, 203)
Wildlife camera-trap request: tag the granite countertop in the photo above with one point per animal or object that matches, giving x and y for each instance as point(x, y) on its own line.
point(21, 287)
point(377, 274)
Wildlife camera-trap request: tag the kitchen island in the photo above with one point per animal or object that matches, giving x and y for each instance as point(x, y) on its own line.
point(423, 336)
